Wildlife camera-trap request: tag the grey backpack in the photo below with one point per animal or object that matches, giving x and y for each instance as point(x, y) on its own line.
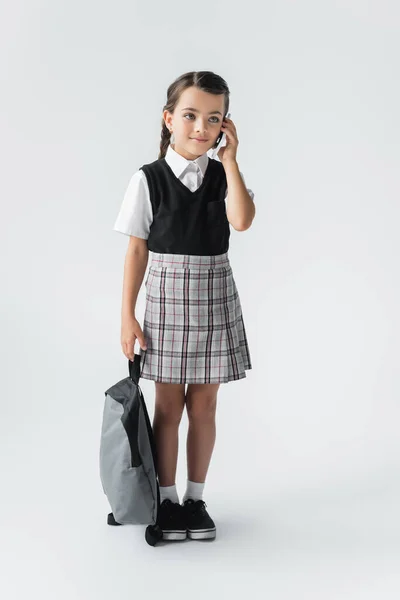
point(128, 461)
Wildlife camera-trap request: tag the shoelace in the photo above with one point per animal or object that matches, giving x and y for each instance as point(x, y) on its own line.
point(197, 506)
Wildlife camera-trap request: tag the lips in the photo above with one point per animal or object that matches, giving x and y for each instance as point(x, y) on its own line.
point(199, 139)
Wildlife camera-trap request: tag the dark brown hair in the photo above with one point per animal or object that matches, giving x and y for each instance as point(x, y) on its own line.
point(207, 81)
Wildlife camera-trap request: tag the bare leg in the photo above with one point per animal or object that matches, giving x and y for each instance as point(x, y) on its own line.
point(169, 405)
point(201, 402)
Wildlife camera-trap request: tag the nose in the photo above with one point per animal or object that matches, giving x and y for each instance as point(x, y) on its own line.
point(200, 126)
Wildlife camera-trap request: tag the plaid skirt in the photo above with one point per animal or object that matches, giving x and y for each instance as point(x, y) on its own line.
point(193, 323)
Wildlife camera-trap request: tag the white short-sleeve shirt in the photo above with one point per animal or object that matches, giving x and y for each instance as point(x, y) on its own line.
point(136, 213)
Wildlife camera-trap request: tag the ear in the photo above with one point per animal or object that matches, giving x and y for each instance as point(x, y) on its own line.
point(167, 116)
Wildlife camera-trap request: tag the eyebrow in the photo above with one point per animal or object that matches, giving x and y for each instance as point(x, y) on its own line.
point(195, 110)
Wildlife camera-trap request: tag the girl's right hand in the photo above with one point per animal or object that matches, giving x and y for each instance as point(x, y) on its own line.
point(130, 331)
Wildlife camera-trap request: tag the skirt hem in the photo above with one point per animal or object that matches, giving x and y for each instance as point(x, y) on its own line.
point(191, 380)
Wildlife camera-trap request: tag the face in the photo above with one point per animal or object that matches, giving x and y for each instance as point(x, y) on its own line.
point(198, 114)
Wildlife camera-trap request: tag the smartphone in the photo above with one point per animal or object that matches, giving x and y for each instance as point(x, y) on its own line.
point(221, 140)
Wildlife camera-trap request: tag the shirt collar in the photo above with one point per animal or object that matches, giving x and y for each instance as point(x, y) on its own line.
point(179, 163)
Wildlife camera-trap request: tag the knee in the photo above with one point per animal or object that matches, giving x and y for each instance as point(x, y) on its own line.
point(169, 406)
point(201, 408)
point(170, 413)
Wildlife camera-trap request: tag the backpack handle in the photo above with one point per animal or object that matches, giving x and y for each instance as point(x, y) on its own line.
point(134, 368)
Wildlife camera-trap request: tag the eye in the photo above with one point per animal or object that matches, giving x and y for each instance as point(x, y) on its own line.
point(192, 115)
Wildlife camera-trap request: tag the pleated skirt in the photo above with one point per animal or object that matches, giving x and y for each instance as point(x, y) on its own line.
point(193, 322)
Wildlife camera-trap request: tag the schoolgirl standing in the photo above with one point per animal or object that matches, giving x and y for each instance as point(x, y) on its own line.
point(180, 207)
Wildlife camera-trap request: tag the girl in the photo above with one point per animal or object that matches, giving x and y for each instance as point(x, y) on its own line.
point(179, 207)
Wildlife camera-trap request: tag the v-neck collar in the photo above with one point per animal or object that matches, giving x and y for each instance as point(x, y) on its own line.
point(183, 186)
point(177, 164)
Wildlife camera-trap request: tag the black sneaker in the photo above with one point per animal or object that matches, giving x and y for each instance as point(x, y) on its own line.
point(171, 520)
point(199, 524)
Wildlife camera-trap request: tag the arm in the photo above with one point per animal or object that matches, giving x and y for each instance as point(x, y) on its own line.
point(241, 208)
point(134, 269)
point(136, 259)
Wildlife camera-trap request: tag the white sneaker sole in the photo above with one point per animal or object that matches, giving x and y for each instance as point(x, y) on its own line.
point(174, 535)
point(202, 534)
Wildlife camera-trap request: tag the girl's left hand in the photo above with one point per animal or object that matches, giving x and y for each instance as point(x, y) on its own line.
point(228, 153)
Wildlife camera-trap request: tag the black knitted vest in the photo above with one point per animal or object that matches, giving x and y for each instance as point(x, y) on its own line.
point(186, 222)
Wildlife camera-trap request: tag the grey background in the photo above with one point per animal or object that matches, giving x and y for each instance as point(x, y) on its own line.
point(304, 479)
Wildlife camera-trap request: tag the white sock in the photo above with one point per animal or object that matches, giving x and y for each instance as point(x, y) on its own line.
point(194, 490)
point(169, 492)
